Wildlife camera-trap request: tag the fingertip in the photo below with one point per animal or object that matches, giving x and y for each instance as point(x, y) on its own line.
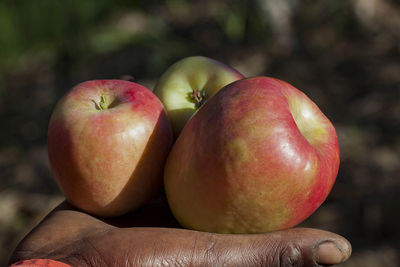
point(319, 247)
point(332, 252)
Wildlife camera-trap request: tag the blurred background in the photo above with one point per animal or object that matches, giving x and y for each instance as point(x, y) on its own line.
point(344, 54)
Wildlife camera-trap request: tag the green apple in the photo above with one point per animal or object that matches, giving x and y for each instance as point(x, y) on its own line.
point(188, 83)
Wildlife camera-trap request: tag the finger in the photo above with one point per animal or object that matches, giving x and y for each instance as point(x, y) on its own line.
point(293, 247)
point(161, 246)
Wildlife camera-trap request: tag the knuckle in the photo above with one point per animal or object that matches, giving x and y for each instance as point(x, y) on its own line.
point(290, 256)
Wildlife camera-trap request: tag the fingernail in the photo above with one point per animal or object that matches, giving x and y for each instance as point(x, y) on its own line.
point(331, 253)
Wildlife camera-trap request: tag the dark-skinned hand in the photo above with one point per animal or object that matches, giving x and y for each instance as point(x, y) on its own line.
point(149, 236)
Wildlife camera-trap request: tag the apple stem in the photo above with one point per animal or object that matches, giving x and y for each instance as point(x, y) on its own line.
point(102, 103)
point(199, 97)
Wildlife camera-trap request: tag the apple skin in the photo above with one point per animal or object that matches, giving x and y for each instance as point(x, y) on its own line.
point(197, 75)
point(258, 156)
point(109, 162)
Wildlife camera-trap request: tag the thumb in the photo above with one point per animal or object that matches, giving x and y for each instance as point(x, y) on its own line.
point(293, 247)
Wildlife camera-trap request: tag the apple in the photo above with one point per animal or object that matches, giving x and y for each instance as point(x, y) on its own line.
point(258, 156)
point(188, 83)
point(107, 143)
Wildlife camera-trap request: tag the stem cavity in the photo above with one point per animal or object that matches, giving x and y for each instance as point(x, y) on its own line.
point(102, 103)
point(198, 97)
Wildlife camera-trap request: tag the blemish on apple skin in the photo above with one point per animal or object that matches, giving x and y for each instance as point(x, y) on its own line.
point(238, 148)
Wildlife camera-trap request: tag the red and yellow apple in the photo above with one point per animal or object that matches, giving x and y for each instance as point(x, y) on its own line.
point(188, 83)
point(256, 157)
point(108, 141)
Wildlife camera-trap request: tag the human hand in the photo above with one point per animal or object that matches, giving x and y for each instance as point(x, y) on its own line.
point(150, 236)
